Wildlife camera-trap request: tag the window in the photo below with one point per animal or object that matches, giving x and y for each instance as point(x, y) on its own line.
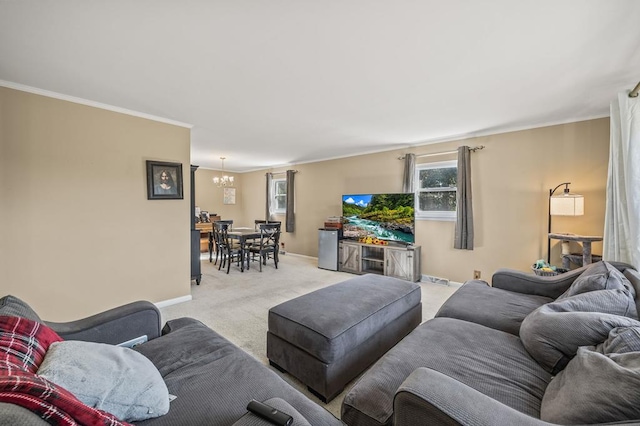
point(279, 196)
point(436, 190)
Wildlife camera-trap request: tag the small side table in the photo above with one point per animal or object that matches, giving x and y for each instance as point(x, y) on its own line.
point(586, 241)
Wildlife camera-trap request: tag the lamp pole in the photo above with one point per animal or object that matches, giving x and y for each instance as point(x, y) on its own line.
point(551, 192)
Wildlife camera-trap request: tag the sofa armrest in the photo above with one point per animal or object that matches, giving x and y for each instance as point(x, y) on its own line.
point(528, 283)
point(435, 398)
point(114, 326)
point(251, 419)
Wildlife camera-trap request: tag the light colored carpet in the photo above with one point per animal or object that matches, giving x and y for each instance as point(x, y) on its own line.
point(236, 305)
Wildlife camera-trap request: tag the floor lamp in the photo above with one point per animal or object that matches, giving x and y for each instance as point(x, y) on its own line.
point(565, 204)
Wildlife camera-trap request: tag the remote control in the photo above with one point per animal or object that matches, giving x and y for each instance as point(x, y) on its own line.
point(269, 413)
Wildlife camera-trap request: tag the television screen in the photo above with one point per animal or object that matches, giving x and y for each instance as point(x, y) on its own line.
point(387, 217)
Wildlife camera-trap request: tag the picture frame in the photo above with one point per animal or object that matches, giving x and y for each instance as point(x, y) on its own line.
point(164, 180)
point(229, 196)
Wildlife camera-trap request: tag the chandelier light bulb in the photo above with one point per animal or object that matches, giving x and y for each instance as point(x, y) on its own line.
point(223, 180)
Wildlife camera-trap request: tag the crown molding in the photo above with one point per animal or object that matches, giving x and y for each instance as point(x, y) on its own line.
point(50, 94)
point(459, 137)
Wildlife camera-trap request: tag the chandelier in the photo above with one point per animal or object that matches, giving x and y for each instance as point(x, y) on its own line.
point(223, 180)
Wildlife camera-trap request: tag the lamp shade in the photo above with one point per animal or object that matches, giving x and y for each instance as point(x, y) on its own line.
point(566, 205)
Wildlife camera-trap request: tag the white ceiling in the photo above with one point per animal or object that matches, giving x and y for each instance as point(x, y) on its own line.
point(269, 83)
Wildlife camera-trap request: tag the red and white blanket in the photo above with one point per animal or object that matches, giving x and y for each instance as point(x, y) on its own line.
point(23, 345)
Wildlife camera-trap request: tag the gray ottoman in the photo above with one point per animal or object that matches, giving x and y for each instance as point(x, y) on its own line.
point(327, 337)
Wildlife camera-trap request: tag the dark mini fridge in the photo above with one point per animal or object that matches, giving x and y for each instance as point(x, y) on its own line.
point(328, 248)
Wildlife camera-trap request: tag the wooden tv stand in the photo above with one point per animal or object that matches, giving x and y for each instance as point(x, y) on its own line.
point(393, 260)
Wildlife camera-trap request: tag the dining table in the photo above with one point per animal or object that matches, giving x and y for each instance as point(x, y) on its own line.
point(242, 234)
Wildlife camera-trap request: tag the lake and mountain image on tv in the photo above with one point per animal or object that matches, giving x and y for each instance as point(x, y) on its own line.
point(384, 216)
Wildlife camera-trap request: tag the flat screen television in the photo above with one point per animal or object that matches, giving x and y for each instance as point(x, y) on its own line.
point(388, 217)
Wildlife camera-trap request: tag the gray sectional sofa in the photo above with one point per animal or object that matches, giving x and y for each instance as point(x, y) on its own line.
point(213, 379)
point(527, 350)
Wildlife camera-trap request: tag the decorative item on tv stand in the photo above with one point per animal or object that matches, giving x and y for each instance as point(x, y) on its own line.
point(333, 222)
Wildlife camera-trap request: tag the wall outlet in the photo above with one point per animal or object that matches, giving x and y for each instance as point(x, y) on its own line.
point(477, 275)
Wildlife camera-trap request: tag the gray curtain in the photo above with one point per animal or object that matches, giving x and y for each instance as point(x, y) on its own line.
point(409, 173)
point(464, 213)
point(290, 217)
point(269, 208)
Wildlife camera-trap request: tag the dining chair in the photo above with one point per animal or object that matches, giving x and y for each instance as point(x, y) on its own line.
point(214, 238)
point(268, 245)
point(254, 241)
point(230, 250)
point(259, 222)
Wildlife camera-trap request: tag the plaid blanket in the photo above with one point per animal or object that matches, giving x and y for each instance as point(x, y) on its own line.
point(23, 345)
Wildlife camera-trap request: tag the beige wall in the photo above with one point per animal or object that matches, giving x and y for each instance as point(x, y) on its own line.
point(209, 197)
point(511, 180)
point(78, 233)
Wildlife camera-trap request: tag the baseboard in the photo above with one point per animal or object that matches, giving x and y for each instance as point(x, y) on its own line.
point(165, 303)
point(299, 255)
point(438, 280)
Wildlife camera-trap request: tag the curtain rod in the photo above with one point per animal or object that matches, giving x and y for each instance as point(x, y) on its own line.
point(474, 149)
point(634, 92)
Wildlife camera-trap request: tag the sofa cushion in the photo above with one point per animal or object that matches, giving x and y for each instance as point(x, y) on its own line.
point(12, 414)
point(634, 278)
point(553, 332)
point(491, 361)
point(115, 379)
point(622, 340)
point(12, 306)
point(598, 385)
point(480, 303)
point(599, 276)
point(214, 380)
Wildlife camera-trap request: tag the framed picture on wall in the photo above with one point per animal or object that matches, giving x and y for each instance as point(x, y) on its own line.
point(229, 196)
point(164, 180)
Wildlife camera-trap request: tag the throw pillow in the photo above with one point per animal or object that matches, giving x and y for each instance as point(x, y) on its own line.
point(24, 343)
point(621, 340)
point(115, 379)
point(594, 388)
point(12, 306)
point(553, 332)
point(599, 276)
